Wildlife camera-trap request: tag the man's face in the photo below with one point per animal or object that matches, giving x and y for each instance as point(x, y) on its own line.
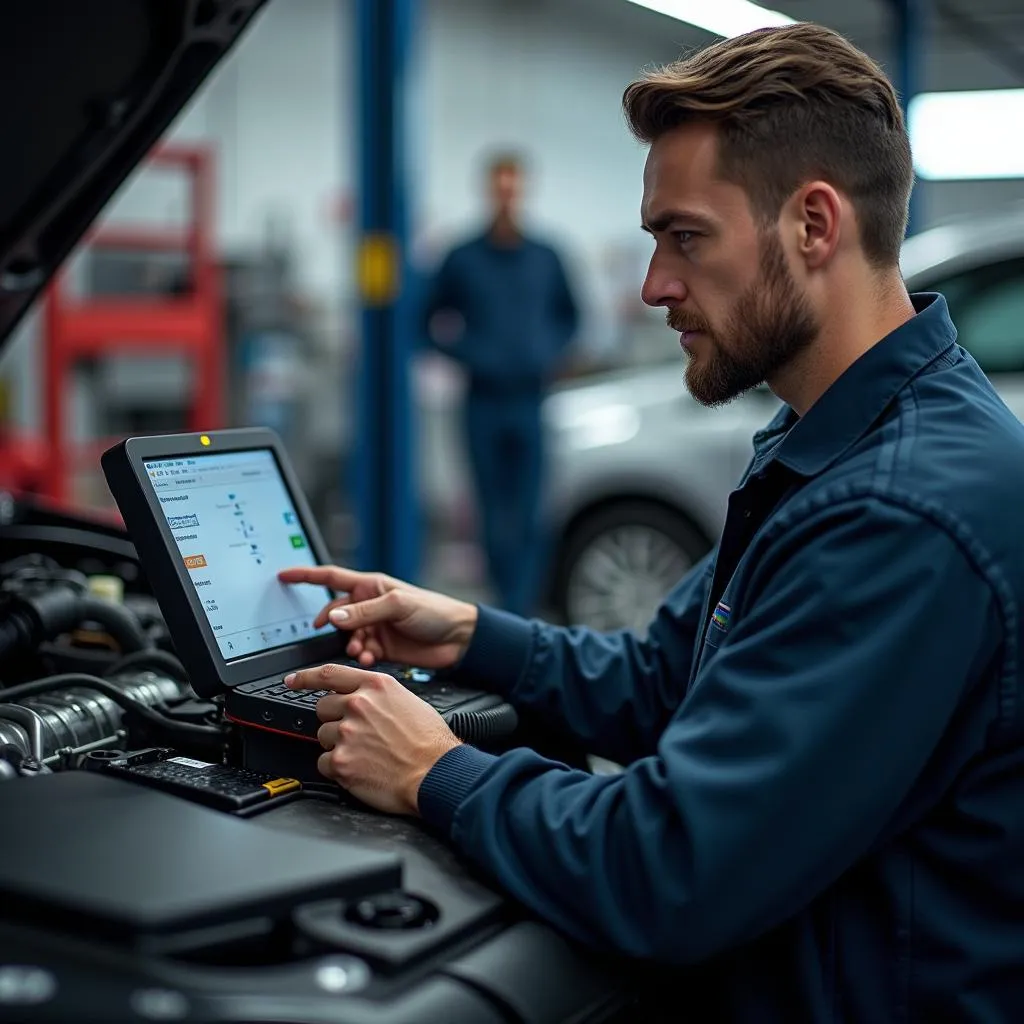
point(727, 286)
point(506, 191)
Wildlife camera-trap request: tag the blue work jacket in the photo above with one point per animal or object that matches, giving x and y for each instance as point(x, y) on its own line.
point(518, 311)
point(822, 813)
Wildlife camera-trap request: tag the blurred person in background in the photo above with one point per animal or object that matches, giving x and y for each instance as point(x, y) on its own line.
point(508, 298)
point(821, 814)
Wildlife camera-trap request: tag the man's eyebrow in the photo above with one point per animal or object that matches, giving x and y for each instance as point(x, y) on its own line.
point(664, 221)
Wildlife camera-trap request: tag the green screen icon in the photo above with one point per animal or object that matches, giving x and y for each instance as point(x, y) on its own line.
point(298, 541)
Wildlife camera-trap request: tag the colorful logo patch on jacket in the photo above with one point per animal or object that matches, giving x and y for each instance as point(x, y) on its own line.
point(720, 616)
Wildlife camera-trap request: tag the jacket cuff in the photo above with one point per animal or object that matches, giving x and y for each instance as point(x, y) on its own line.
point(498, 654)
point(449, 782)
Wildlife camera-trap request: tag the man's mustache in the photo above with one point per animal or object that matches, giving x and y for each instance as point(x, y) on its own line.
point(683, 322)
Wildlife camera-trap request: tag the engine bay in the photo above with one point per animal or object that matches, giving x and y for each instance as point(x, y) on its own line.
point(86, 661)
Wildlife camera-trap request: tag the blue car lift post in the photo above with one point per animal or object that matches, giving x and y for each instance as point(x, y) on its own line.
point(383, 479)
point(910, 18)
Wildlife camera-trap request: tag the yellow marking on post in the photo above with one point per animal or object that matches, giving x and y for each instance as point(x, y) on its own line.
point(379, 270)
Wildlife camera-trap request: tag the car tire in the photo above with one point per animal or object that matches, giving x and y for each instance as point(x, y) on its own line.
point(619, 561)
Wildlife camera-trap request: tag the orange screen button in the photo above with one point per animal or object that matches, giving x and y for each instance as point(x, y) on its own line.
point(195, 561)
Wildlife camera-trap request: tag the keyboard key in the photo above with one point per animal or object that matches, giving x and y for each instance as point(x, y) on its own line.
point(253, 687)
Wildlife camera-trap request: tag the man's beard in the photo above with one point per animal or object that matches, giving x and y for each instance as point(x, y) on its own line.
point(771, 324)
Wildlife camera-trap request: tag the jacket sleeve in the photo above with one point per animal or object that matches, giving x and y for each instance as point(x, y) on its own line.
point(566, 311)
point(804, 731)
point(615, 692)
point(443, 295)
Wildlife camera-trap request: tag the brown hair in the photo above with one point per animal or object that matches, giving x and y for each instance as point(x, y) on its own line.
point(506, 160)
point(792, 104)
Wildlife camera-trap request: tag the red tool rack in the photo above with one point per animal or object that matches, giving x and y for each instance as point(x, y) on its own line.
point(189, 324)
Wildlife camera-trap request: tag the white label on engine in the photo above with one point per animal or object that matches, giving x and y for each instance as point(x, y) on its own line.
point(191, 763)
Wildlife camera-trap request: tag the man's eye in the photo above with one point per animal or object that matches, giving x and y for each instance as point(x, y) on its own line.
point(685, 237)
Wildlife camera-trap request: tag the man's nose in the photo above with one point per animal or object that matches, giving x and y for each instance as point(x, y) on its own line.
point(662, 287)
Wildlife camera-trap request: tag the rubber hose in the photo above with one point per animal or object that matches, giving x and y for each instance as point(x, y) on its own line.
point(120, 623)
point(15, 633)
point(152, 657)
point(480, 726)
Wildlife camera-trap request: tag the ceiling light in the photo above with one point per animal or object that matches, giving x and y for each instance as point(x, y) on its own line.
point(722, 17)
point(958, 136)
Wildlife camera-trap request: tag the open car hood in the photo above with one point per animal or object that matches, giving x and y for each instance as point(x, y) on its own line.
point(91, 86)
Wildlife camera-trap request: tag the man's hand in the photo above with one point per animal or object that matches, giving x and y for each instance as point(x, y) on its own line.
point(380, 740)
point(391, 620)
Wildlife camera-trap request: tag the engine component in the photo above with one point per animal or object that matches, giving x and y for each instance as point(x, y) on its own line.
point(156, 660)
point(83, 672)
point(73, 720)
point(109, 588)
point(14, 763)
point(43, 609)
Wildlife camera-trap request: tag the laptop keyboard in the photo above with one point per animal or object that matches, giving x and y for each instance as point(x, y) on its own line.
point(441, 696)
point(304, 698)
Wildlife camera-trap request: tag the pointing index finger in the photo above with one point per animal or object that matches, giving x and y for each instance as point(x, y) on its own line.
point(332, 576)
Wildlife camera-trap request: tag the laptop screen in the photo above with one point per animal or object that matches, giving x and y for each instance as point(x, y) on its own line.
point(236, 526)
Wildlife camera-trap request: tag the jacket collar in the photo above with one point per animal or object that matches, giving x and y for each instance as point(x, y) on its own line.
point(810, 444)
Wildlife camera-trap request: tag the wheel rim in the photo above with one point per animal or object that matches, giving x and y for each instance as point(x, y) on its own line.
point(622, 577)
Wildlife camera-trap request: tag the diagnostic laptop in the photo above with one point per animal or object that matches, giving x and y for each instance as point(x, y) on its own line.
point(214, 517)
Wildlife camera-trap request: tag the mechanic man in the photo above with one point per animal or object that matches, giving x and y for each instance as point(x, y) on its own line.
point(823, 804)
point(511, 294)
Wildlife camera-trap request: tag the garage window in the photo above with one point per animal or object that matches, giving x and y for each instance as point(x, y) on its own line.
point(987, 306)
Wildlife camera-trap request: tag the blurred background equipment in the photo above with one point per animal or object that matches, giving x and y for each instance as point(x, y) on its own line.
point(271, 352)
point(134, 335)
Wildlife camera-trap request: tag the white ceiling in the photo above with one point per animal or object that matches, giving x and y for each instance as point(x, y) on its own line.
point(953, 59)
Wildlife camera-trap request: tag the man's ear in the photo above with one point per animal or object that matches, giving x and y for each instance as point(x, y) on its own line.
point(816, 213)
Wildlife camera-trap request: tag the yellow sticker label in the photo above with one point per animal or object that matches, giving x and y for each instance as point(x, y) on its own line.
point(275, 787)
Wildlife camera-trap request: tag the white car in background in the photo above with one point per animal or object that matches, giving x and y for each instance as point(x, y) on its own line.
point(639, 474)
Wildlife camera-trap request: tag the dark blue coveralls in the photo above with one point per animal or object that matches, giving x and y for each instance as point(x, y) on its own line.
point(519, 317)
point(822, 813)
